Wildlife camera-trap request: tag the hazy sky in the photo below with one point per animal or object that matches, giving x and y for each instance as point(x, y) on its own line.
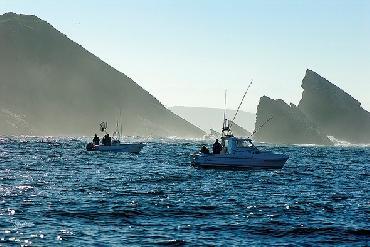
point(188, 52)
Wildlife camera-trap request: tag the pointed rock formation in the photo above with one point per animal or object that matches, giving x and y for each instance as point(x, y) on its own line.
point(336, 112)
point(288, 124)
point(59, 88)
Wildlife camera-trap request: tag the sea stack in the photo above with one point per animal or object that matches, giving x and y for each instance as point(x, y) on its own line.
point(336, 112)
point(288, 125)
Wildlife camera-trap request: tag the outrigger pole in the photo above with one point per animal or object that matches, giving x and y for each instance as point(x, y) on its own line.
point(225, 105)
point(224, 125)
point(120, 116)
point(241, 102)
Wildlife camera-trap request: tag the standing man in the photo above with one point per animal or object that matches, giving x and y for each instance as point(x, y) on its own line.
point(217, 147)
point(96, 140)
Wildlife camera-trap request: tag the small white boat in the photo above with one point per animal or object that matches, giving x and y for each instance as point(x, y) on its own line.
point(239, 154)
point(113, 145)
point(117, 147)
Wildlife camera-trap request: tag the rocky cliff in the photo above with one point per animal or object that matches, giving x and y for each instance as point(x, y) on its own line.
point(288, 124)
point(50, 85)
point(335, 111)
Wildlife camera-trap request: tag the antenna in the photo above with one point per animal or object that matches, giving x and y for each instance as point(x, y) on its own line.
point(225, 126)
point(120, 117)
point(225, 105)
point(241, 102)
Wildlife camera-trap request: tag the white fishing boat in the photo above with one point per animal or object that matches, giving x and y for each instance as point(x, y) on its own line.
point(237, 153)
point(113, 144)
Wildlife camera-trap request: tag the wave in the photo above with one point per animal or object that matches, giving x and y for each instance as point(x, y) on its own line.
point(343, 143)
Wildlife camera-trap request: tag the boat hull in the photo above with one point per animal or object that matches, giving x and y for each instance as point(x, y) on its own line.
point(125, 147)
point(212, 161)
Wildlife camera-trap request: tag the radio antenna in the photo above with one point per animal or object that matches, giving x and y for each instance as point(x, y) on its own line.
point(225, 105)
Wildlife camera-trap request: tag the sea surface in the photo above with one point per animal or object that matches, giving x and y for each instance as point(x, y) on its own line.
point(53, 192)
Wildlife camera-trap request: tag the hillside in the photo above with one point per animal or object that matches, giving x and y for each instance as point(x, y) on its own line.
point(50, 85)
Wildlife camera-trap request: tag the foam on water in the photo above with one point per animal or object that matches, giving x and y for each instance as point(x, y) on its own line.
point(53, 191)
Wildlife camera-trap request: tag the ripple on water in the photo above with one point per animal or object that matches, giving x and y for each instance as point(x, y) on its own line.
point(53, 191)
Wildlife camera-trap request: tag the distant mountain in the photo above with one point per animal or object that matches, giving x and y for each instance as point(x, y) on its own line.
point(50, 85)
point(288, 125)
point(212, 118)
point(239, 131)
point(335, 111)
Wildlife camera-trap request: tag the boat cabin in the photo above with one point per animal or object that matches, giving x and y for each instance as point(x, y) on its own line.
point(234, 145)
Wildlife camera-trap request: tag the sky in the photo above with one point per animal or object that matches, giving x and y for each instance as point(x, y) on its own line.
point(188, 52)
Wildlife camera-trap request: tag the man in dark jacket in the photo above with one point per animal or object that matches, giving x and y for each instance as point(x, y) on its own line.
point(96, 140)
point(217, 147)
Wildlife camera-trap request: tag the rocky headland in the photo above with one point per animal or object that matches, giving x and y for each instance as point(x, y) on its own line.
point(324, 110)
point(336, 112)
point(50, 85)
point(280, 123)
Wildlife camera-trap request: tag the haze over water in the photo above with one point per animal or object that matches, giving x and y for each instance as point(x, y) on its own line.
point(53, 191)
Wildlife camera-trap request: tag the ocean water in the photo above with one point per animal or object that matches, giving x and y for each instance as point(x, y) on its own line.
point(54, 192)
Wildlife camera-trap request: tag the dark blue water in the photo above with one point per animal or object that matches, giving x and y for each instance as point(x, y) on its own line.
point(53, 191)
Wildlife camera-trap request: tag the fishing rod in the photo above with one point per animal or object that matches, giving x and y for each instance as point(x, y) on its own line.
point(241, 102)
point(261, 126)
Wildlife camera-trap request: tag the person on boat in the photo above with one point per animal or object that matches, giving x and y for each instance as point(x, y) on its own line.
point(217, 147)
point(96, 140)
point(104, 140)
point(109, 140)
point(204, 150)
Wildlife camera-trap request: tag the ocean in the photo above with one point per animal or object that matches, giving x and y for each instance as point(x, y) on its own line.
point(53, 192)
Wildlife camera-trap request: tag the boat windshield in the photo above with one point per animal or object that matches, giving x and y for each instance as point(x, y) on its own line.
point(242, 143)
point(225, 143)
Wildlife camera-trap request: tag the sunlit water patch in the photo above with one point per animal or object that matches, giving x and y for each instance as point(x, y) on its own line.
point(53, 191)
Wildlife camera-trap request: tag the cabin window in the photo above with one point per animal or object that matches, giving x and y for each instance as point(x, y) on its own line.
point(244, 144)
